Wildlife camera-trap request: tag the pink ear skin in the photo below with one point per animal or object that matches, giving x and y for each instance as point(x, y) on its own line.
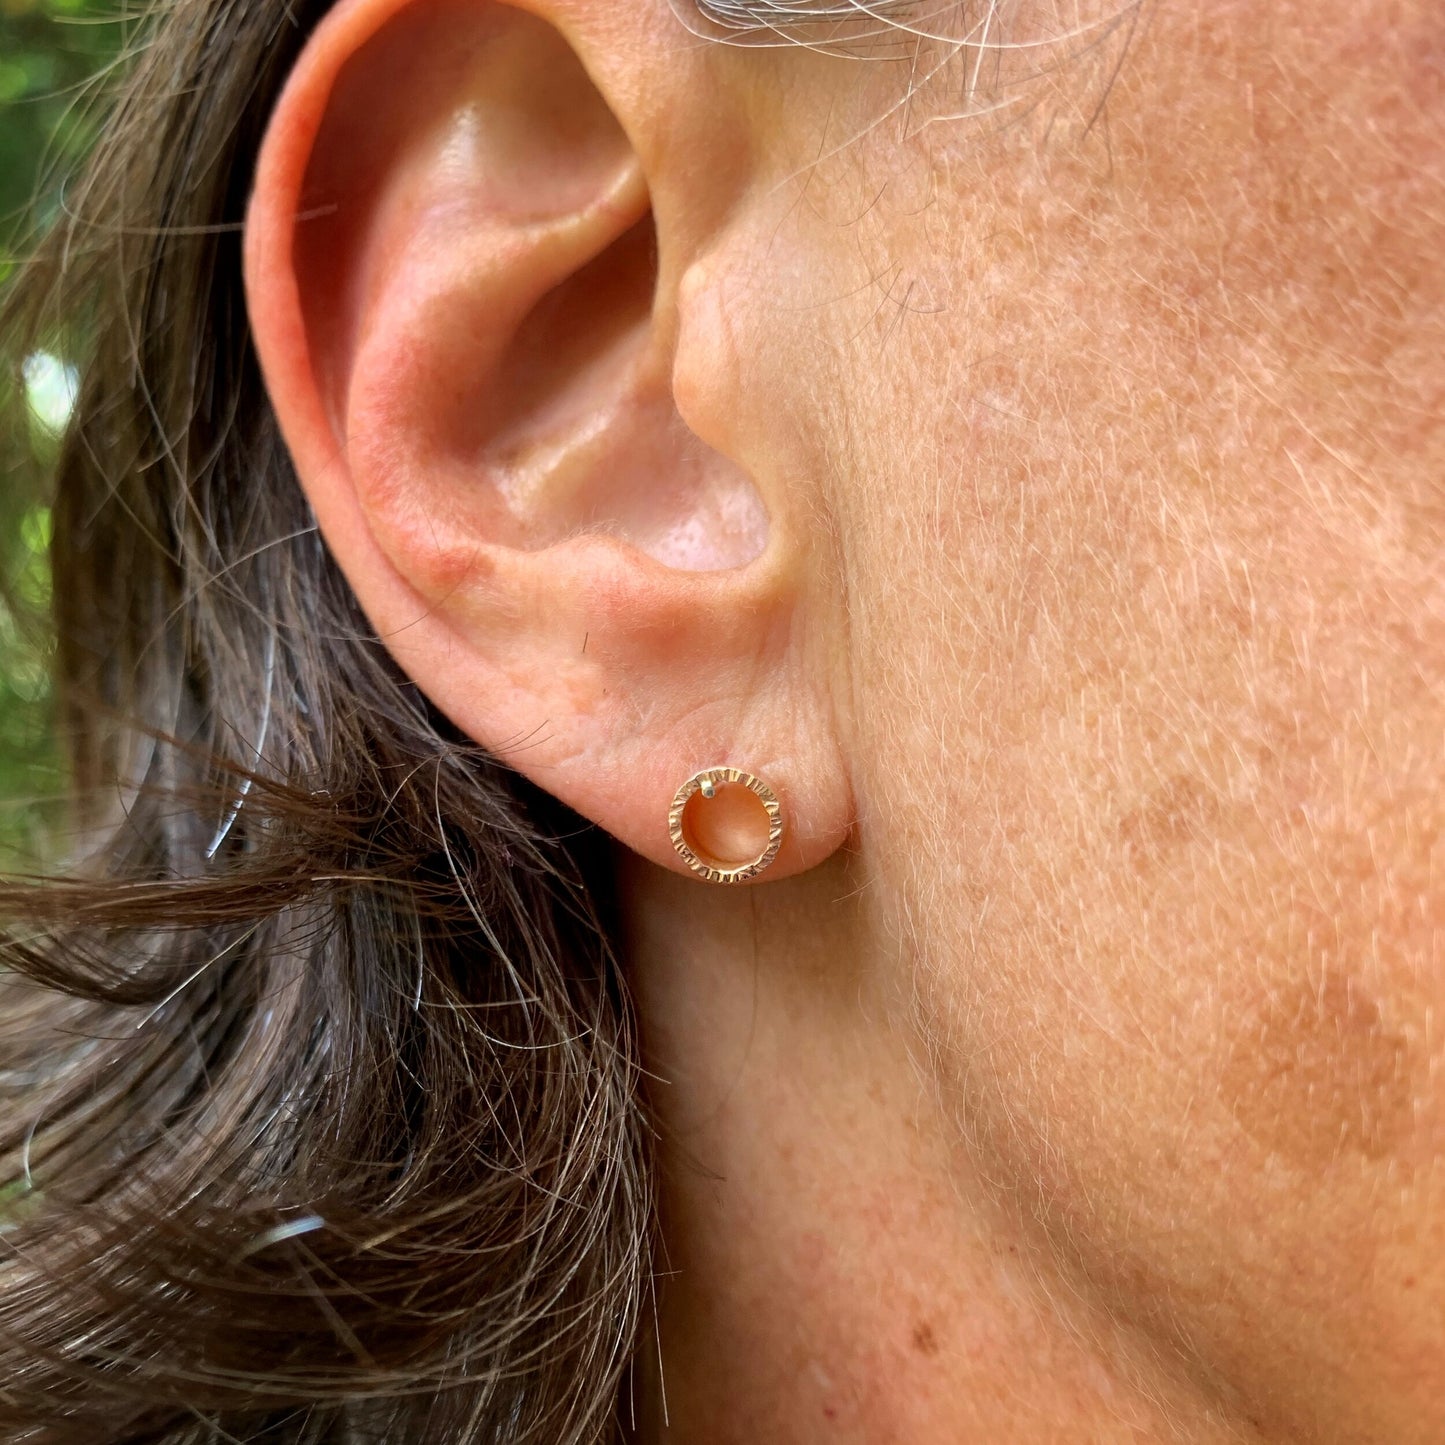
point(456, 293)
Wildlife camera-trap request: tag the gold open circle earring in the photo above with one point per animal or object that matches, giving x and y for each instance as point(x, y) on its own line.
point(727, 825)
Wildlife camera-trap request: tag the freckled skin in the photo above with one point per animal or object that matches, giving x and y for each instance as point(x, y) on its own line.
point(1316, 1075)
point(1130, 425)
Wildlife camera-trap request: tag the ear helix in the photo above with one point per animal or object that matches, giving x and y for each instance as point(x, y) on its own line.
point(726, 825)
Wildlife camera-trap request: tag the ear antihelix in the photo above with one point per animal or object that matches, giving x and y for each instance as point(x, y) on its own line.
point(503, 381)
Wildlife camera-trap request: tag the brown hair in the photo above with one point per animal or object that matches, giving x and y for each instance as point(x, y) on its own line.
point(318, 1093)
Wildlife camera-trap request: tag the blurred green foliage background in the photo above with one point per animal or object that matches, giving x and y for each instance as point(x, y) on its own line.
point(52, 53)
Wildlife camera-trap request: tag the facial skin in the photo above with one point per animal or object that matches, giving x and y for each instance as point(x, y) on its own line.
point(1091, 1091)
point(1134, 441)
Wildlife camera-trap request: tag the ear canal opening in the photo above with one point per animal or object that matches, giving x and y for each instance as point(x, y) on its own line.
point(580, 414)
point(578, 345)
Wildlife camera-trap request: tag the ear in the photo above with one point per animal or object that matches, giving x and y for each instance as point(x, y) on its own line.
point(465, 299)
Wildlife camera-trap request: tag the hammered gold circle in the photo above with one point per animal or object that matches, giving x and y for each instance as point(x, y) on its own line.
point(713, 869)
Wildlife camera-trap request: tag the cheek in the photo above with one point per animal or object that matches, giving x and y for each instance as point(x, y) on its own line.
point(1144, 520)
point(1160, 810)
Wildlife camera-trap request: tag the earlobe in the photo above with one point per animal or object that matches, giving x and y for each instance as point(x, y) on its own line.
point(455, 290)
